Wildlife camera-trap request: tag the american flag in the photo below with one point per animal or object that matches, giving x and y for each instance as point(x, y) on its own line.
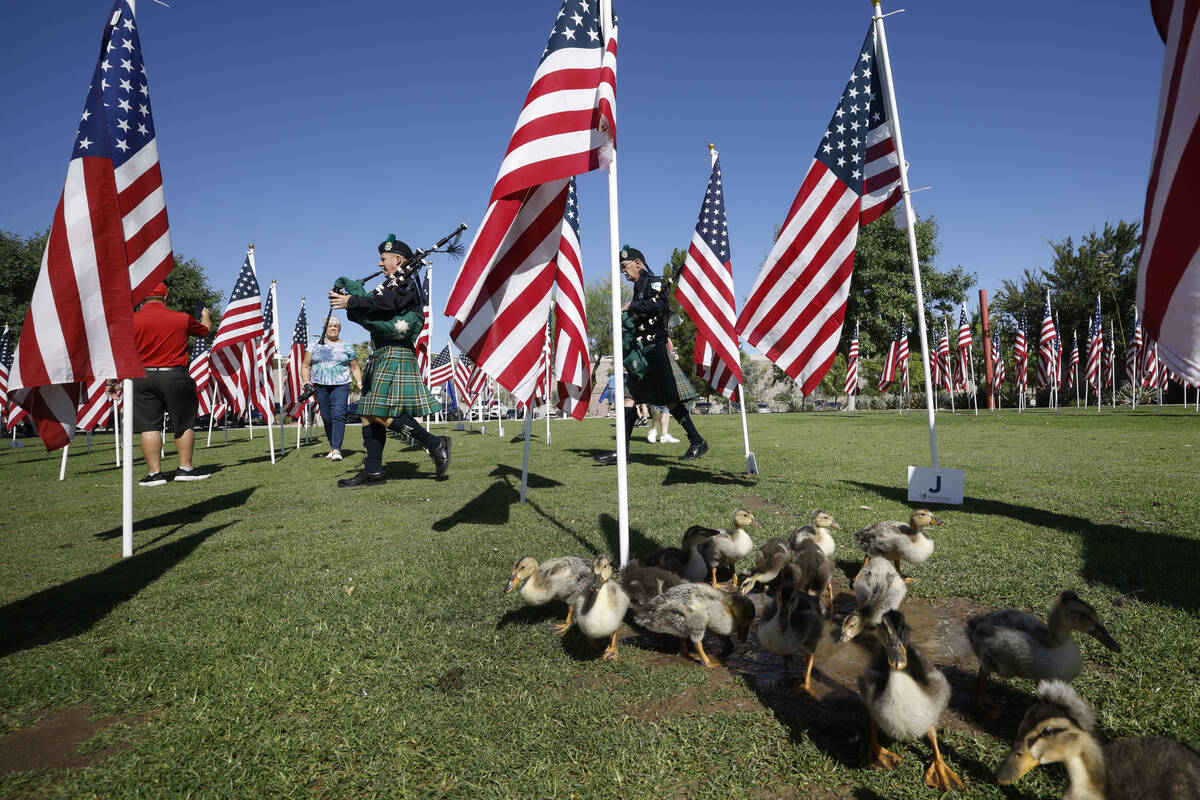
point(442, 368)
point(895, 361)
point(1095, 353)
point(424, 340)
point(200, 368)
point(572, 363)
point(462, 379)
point(998, 371)
point(705, 291)
point(233, 350)
point(943, 372)
point(1150, 364)
point(795, 311)
point(5, 364)
point(1047, 365)
point(965, 343)
point(851, 385)
point(96, 409)
point(1110, 358)
point(1168, 280)
point(108, 245)
point(1021, 358)
point(500, 299)
point(293, 386)
point(268, 347)
point(1074, 359)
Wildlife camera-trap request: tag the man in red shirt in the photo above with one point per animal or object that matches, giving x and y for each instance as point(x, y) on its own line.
point(162, 338)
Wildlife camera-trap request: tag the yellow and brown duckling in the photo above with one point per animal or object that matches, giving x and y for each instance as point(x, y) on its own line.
point(1061, 728)
point(791, 623)
point(878, 589)
point(818, 531)
point(905, 695)
point(564, 578)
point(1014, 644)
point(897, 541)
point(602, 607)
point(690, 610)
point(721, 548)
point(769, 560)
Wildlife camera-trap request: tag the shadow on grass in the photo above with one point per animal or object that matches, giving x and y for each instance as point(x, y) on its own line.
point(639, 543)
point(188, 515)
point(1130, 560)
point(72, 608)
point(492, 505)
point(554, 611)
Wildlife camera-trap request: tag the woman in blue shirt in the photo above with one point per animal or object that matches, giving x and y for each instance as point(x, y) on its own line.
point(329, 367)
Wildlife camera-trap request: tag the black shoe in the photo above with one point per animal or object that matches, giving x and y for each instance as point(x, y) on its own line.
point(695, 451)
point(364, 478)
point(607, 459)
point(441, 456)
point(153, 479)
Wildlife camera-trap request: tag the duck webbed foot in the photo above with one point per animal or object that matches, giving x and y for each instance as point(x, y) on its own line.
point(559, 629)
point(878, 757)
point(986, 704)
point(610, 653)
point(711, 663)
point(940, 776)
point(807, 685)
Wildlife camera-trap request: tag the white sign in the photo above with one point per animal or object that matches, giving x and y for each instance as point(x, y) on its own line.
point(929, 485)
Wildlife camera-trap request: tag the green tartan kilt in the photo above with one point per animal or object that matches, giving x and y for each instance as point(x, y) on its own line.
point(664, 382)
point(394, 385)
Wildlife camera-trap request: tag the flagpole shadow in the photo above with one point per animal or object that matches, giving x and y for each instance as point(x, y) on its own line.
point(188, 515)
point(72, 608)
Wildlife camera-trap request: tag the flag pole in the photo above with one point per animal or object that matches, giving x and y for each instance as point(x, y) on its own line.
point(614, 247)
point(117, 428)
point(262, 375)
point(946, 326)
point(127, 471)
point(549, 355)
point(890, 93)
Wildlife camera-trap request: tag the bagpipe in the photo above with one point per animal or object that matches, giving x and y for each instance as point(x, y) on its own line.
point(399, 329)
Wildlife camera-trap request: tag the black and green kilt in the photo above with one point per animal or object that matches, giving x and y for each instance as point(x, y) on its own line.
point(394, 385)
point(664, 382)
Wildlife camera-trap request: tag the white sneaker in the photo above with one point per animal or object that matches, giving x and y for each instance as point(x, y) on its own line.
point(669, 439)
point(652, 436)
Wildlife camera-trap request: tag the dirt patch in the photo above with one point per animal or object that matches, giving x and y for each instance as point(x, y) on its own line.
point(51, 742)
point(756, 505)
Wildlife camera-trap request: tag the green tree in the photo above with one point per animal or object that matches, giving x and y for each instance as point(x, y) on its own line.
point(20, 262)
point(188, 286)
point(1103, 264)
point(597, 302)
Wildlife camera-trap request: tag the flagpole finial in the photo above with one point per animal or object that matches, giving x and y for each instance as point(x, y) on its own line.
point(711, 147)
point(250, 246)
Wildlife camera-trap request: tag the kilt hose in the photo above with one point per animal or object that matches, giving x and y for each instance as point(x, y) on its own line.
point(394, 385)
point(664, 383)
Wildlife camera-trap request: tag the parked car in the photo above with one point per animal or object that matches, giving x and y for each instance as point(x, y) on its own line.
point(763, 408)
point(703, 407)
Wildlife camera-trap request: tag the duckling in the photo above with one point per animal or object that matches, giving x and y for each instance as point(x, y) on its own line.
point(818, 531)
point(563, 578)
point(812, 571)
point(896, 541)
point(905, 695)
point(1014, 644)
point(602, 607)
point(643, 583)
point(689, 610)
point(791, 622)
point(1062, 728)
point(722, 548)
point(769, 560)
point(878, 589)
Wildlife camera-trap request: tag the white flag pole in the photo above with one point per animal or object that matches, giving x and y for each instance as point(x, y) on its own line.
point(946, 326)
point(127, 471)
point(117, 429)
point(971, 369)
point(549, 373)
point(62, 470)
point(614, 247)
point(890, 92)
point(525, 461)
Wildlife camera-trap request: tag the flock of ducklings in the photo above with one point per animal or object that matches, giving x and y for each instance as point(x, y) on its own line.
point(674, 591)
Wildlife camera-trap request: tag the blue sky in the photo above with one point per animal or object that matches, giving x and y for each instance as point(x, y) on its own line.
point(315, 129)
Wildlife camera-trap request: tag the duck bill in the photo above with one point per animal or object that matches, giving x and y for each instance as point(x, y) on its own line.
point(1101, 635)
point(835, 525)
point(897, 654)
point(1017, 764)
point(935, 521)
point(511, 583)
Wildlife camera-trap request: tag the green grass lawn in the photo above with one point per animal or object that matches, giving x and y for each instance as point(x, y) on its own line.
point(275, 635)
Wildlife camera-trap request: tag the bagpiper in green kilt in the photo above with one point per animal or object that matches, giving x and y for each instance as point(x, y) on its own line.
point(394, 385)
point(664, 382)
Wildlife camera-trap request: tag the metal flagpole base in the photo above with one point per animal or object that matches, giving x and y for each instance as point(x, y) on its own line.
point(751, 464)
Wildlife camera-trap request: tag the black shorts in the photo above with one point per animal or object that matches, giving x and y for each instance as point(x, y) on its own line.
point(172, 391)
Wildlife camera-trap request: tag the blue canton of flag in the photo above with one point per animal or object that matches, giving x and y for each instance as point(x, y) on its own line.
point(300, 332)
point(843, 149)
point(711, 226)
point(121, 79)
point(571, 215)
point(579, 30)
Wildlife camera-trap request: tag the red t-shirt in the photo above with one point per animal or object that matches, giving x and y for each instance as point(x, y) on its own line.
point(162, 335)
